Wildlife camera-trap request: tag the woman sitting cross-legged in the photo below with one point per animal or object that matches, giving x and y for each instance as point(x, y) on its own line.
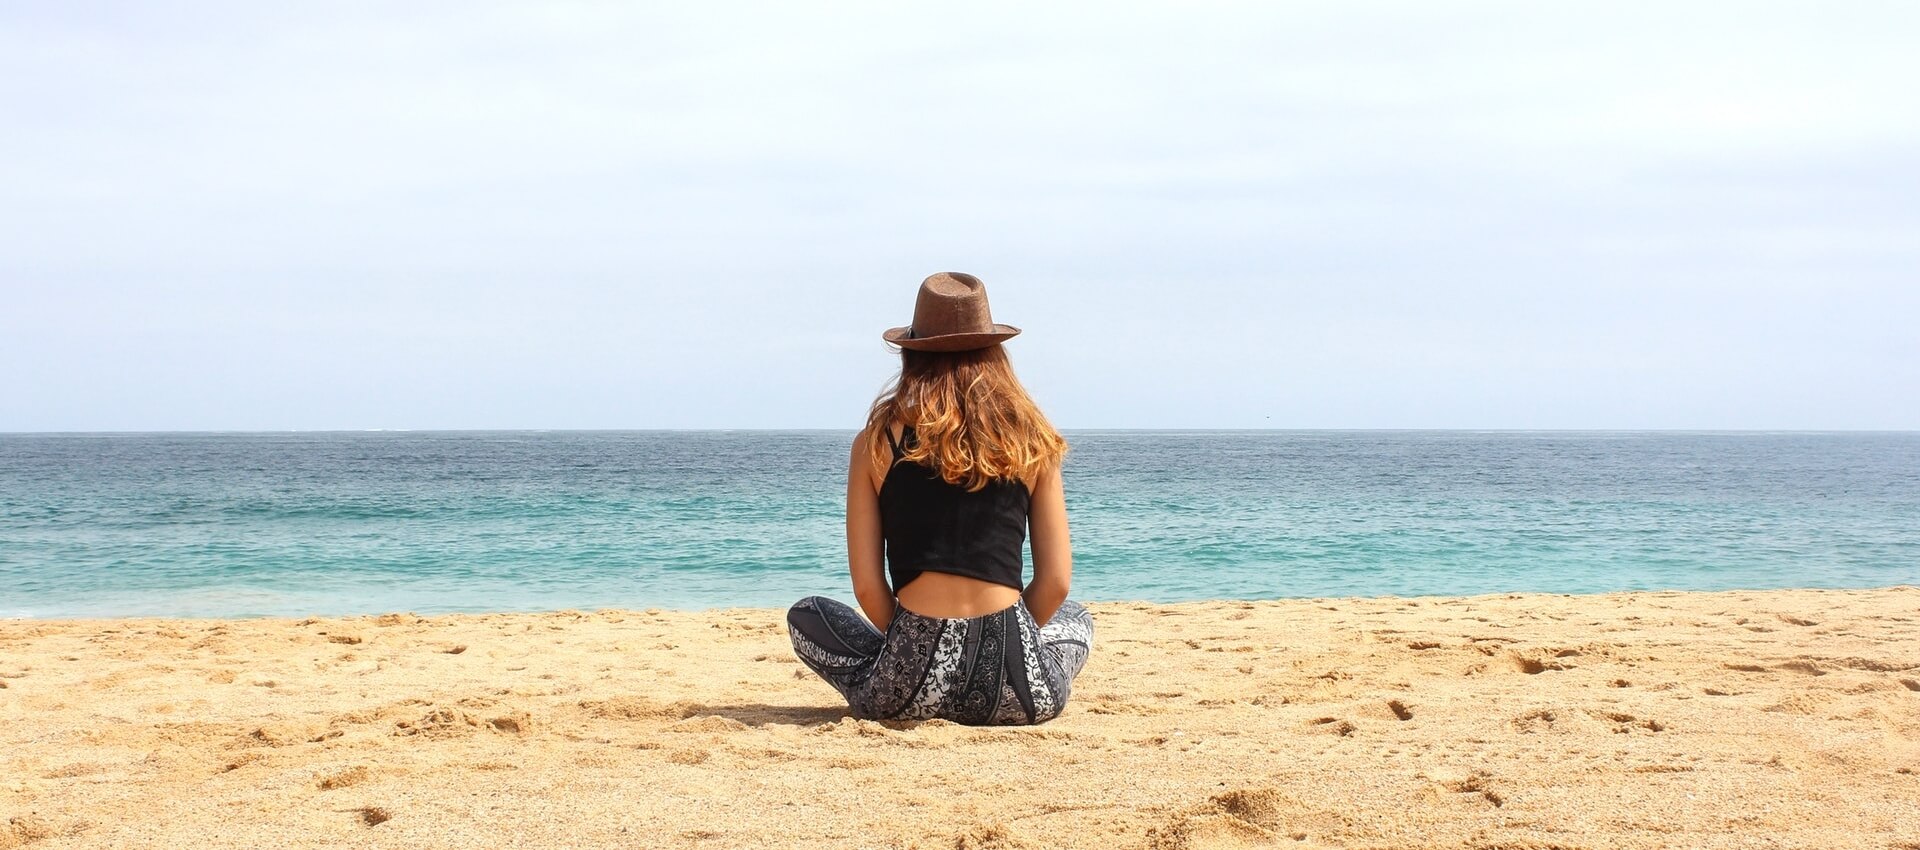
point(955, 465)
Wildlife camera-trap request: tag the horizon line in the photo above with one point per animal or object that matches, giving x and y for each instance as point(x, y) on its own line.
point(1162, 429)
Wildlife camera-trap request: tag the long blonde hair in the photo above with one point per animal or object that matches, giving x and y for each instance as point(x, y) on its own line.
point(972, 420)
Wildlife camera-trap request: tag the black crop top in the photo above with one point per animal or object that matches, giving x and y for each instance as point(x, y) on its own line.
point(933, 526)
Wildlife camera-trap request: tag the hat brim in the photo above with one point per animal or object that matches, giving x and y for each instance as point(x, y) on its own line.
point(950, 342)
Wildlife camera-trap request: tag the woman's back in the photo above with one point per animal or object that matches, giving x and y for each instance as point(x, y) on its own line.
point(951, 552)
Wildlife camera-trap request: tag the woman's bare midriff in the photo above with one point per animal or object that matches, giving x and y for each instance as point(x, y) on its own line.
point(951, 596)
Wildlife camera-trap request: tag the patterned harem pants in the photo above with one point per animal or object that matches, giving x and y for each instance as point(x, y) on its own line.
point(993, 670)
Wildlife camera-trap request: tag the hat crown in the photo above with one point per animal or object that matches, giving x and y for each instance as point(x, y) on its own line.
point(951, 303)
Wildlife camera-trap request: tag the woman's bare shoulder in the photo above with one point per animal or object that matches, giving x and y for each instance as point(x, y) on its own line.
point(863, 455)
point(864, 438)
point(1045, 476)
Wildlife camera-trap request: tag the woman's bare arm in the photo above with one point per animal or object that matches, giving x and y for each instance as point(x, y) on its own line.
point(864, 543)
point(1052, 550)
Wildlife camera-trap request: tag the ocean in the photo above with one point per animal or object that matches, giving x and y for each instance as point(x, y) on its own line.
point(291, 524)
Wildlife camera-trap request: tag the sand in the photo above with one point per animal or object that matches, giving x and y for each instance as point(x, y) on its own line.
point(1743, 719)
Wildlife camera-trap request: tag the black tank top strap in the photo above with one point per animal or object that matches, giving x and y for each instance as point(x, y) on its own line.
point(893, 442)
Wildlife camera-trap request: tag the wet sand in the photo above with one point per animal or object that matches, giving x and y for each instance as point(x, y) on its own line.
point(1741, 719)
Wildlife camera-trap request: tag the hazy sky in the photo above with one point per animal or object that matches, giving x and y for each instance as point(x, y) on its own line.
point(622, 215)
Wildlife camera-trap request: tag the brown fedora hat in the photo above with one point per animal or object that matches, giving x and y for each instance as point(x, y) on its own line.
point(950, 315)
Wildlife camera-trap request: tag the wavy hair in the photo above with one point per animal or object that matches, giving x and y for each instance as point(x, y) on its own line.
point(973, 422)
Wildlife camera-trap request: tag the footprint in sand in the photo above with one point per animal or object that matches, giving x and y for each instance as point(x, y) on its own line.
point(1624, 723)
point(1474, 786)
point(688, 756)
point(1251, 817)
point(240, 761)
point(27, 829)
point(447, 722)
point(1535, 666)
point(1538, 720)
point(1333, 724)
point(344, 778)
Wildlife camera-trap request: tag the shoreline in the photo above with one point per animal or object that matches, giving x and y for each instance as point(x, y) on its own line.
point(1633, 719)
point(847, 596)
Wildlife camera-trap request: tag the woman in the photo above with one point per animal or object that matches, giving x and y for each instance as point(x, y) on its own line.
point(955, 464)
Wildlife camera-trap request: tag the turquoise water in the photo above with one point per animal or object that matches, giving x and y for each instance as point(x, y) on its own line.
point(335, 523)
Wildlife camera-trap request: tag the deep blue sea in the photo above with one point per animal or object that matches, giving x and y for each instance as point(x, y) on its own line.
point(223, 525)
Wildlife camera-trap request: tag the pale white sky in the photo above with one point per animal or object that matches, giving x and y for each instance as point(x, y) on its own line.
point(553, 215)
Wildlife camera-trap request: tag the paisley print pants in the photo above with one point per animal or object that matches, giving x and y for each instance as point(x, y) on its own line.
point(997, 669)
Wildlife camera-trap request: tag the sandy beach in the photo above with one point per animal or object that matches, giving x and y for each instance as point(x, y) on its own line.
point(1738, 719)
